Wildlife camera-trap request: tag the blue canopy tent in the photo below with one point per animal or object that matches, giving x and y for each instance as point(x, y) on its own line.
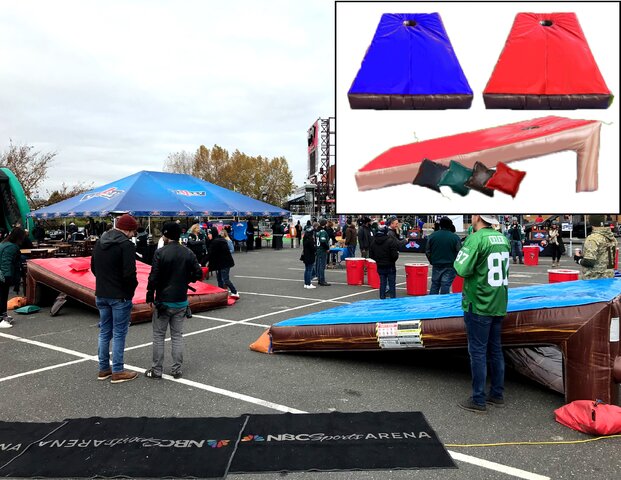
point(159, 194)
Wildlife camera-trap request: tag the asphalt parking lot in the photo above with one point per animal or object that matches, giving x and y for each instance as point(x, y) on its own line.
point(49, 369)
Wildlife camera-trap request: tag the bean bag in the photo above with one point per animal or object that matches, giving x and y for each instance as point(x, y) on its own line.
point(506, 179)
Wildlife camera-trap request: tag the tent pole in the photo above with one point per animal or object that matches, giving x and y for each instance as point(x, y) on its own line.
point(65, 220)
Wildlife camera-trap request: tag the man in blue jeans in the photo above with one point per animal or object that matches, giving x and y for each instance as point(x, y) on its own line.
point(483, 261)
point(441, 250)
point(114, 265)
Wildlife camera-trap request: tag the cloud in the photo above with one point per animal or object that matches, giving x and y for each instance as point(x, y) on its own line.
point(116, 86)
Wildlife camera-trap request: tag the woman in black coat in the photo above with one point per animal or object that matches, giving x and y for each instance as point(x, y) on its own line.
point(308, 256)
point(221, 261)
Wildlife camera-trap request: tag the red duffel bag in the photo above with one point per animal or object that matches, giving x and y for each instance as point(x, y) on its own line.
point(596, 418)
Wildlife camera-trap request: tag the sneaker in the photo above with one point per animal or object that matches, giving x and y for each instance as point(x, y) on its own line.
point(311, 286)
point(234, 295)
point(472, 407)
point(123, 376)
point(104, 374)
point(177, 374)
point(325, 284)
point(5, 324)
point(151, 374)
point(496, 402)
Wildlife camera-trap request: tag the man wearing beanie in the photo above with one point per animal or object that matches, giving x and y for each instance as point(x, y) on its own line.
point(598, 256)
point(173, 268)
point(441, 251)
point(114, 265)
point(483, 261)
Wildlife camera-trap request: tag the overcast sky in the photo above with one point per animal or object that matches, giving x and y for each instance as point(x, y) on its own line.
point(116, 86)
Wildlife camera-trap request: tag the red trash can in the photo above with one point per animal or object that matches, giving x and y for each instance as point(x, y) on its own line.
point(355, 270)
point(205, 272)
point(373, 279)
point(559, 275)
point(531, 254)
point(458, 284)
point(416, 278)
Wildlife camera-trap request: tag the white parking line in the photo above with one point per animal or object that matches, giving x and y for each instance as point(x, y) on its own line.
point(297, 280)
point(249, 399)
point(289, 296)
point(499, 467)
point(44, 369)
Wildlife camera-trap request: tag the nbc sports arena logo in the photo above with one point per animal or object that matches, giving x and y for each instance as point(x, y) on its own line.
point(188, 193)
point(107, 193)
point(322, 437)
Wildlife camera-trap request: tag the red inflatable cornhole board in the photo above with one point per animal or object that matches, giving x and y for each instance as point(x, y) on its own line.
point(74, 277)
point(506, 143)
point(546, 64)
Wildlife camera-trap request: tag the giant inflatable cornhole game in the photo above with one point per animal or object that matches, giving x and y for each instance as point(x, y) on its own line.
point(546, 64)
point(507, 143)
point(580, 317)
point(73, 277)
point(410, 64)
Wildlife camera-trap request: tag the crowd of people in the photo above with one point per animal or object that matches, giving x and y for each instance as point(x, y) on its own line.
point(482, 259)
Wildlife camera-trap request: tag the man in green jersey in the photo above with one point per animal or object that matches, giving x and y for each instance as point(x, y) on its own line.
point(483, 261)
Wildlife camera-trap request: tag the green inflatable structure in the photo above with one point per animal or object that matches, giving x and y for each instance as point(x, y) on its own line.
point(14, 205)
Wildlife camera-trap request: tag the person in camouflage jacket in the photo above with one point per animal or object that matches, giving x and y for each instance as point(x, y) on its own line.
point(598, 255)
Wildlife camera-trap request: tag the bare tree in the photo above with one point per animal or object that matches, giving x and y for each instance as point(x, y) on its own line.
point(29, 166)
point(179, 162)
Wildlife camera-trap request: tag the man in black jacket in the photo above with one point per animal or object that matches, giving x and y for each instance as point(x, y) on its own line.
point(114, 265)
point(365, 236)
point(385, 251)
point(173, 267)
point(442, 249)
point(221, 260)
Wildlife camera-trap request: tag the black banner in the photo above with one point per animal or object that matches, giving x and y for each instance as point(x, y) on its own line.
point(339, 441)
point(132, 447)
point(210, 447)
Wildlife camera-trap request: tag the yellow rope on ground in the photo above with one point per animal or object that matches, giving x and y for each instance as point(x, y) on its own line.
point(561, 442)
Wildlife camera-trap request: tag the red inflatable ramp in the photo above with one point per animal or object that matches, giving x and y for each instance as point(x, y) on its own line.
point(507, 143)
point(546, 64)
point(74, 277)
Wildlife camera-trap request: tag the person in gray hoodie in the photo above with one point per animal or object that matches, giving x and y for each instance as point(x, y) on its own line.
point(114, 265)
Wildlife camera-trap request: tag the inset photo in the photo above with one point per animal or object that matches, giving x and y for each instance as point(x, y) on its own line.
point(438, 105)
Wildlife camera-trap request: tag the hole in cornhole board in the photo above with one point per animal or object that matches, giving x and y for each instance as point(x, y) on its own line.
point(546, 23)
point(409, 23)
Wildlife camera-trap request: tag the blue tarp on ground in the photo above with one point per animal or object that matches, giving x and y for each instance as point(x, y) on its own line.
point(410, 60)
point(565, 294)
point(159, 194)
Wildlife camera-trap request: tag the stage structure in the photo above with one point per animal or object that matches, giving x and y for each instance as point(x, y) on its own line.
point(580, 317)
point(321, 164)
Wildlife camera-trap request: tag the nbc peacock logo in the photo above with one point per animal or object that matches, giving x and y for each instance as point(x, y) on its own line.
point(253, 438)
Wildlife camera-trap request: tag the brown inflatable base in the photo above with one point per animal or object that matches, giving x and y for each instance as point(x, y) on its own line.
point(546, 102)
point(591, 366)
point(408, 102)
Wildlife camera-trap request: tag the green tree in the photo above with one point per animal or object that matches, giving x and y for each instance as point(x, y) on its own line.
point(256, 177)
point(66, 192)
